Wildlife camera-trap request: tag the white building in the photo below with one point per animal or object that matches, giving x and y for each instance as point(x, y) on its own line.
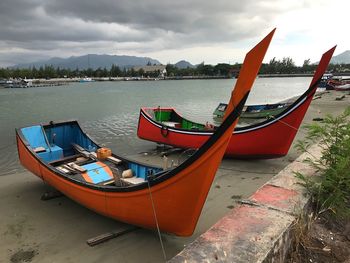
point(152, 69)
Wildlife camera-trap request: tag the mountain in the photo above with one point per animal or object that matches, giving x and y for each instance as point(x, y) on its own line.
point(93, 61)
point(184, 64)
point(341, 58)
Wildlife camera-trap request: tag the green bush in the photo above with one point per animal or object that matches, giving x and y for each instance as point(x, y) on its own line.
point(330, 191)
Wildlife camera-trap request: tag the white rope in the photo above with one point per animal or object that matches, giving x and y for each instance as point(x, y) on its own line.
point(290, 126)
point(155, 218)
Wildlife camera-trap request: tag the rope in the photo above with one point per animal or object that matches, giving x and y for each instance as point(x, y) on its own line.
point(290, 126)
point(155, 218)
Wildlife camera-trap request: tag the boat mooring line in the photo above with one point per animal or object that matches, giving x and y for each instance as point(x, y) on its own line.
point(290, 126)
point(155, 218)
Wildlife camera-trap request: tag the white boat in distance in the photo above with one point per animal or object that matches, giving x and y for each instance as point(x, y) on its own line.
point(86, 79)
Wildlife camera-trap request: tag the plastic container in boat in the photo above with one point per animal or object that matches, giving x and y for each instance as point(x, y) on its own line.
point(103, 153)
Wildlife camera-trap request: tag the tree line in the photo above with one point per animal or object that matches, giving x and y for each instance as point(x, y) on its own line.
point(284, 66)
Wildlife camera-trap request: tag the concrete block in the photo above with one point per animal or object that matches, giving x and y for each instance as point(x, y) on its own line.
point(246, 234)
point(278, 198)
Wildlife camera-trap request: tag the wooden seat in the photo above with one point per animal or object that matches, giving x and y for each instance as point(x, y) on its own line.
point(133, 180)
point(114, 160)
point(108, 182)
point(63, 169)
point(64, 159)
point(77, 167)
point(39, 149)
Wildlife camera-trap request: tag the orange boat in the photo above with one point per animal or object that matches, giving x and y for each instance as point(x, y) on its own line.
point(65, 157)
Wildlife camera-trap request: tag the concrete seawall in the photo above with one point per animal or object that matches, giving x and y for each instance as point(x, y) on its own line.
point(260, 228)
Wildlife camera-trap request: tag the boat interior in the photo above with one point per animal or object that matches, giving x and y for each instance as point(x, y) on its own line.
point(169, 117)
point(68, 150)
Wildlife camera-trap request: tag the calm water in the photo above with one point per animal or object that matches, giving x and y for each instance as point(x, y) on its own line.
point(109, 111)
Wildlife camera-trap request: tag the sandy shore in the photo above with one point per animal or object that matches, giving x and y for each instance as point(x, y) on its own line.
point(57, 230)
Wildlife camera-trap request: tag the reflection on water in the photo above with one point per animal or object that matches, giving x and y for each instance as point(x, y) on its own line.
point(109, 111)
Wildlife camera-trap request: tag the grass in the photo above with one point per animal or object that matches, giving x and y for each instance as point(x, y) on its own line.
point(330, 191)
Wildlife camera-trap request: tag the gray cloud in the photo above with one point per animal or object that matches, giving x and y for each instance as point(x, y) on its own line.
point(67, 27)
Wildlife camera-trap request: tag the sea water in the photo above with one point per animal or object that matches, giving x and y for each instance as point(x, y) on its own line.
point(108, 111)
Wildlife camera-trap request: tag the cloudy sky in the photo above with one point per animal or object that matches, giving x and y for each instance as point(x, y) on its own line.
point(194, 30)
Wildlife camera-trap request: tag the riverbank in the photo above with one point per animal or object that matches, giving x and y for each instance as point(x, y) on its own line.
point(57, 230)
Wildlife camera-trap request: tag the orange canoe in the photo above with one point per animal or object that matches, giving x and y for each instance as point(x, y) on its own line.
point(65, 157)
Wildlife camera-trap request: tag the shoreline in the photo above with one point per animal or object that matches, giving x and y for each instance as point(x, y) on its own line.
point(66, 81)
point(62, 81)
point(36, 83)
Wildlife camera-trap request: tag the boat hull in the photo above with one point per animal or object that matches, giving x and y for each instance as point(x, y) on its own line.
point(270, 141)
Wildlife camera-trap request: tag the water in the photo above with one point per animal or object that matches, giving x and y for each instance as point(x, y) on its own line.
point(109, 111)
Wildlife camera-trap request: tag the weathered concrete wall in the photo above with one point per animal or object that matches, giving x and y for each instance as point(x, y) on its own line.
point(258, 230)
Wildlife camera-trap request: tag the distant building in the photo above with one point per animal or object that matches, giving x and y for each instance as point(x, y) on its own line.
point(161, 69)
point(27, 82)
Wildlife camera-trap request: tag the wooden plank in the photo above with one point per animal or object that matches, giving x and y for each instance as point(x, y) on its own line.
point(133, 180)
point(68, 168)
point(107, 236)
point(51, 195)
point(340, 98)
point(39, 149)
point(77, 167)
point(114, 160)
point(67, 158)
point(112, 181)
point(84, 152)
point(62, 169)
point(171, 123)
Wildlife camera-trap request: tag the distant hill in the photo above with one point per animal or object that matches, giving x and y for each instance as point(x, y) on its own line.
point(93, 61)
point(341, 58)
point(184, 64)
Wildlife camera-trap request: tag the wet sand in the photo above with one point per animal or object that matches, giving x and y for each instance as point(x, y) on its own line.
point(56, 230)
